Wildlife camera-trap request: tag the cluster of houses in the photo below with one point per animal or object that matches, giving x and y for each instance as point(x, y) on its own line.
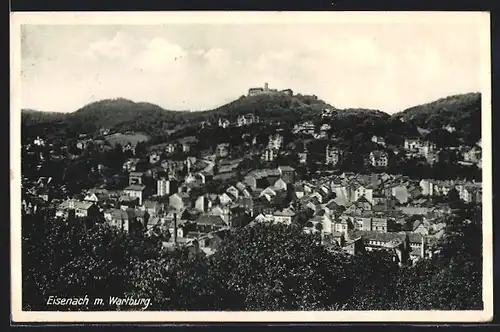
point(169, 198)
point(241, 121)
point(353, 212)
point(365, 212)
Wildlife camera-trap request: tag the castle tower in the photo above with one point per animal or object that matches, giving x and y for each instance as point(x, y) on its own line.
point(266, 86)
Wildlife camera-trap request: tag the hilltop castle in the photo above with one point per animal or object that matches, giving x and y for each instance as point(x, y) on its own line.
point(266, 90)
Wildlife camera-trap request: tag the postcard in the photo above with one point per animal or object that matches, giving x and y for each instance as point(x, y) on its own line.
point(251, 166)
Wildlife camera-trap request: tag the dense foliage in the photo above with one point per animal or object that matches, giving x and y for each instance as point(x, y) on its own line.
point(259, 267)
point(460, 111)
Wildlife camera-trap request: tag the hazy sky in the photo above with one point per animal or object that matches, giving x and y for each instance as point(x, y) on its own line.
point(386, 66)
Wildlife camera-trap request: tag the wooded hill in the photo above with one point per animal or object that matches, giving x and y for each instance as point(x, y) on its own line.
point(460, 111)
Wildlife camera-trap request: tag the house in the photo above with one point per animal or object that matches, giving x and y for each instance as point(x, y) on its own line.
point(135, 191)
point(302, 157)
point(332, 155)
point(417, 246)
point(378, 224)
point(82, 144)
point(135, 178)
point(337, 238)
point(396, 243)
point(412, 143)
point(305, 128)
point(342, 225)
point(378, 140)
point(203, 203)
point(358, 191)
point(471, 193)
point(154, 208)
point(227, 176)
point(325, 127)
point(355, 246)
point(379, 159)
point(39, 141)
point(208, 223)
point(326, 113)
point(222, 150)
point(414, 210)
point(225, 199)
point(76, 208)
point(279, 185)
point(261, 178)
point(224, 123)
point(473, 155)
point(420, 227)
point(154, 158)
point(269, 154)
point(117, 218)
point(247, 119)
point(321, 223)
point(288, 92)
point(427, 187)
point(179, 201)
point(210, 242)
point(170, 148)
point(400, 192)
point(127, 220)
point(285, 216)
point(287, 173)
point(359, 206)
point(129, 147)
point(131, 165)
point(187, 142)
point(275, 141)
point(166, 186)
point(97, 197)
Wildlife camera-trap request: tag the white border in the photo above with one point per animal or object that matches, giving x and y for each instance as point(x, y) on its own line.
point(150, 18)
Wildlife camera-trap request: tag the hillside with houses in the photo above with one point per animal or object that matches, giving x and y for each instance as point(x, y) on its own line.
point(193, 202)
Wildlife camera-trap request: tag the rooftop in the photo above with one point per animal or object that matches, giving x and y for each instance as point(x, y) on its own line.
point(135, 187)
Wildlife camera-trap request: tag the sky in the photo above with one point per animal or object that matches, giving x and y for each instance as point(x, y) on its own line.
point(198, 66)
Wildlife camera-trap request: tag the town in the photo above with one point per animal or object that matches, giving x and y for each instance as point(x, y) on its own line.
point(188, 194)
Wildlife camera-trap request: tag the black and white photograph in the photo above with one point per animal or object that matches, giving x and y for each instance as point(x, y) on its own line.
point(244, 166)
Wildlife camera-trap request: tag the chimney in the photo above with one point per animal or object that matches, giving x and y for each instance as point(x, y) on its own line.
point(422, 247)
point(175, 228)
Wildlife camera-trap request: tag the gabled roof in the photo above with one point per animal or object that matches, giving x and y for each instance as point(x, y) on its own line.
point(240, 186)
point(135, 187)
point(151, 204)
point(377, 154)
point(415, 237)
point(117, 214)
point(212, 220)
point(377, 236)
point(286, 168)
point(136, 174)
point(77, 204)
point(362, 199)
point(284, 213)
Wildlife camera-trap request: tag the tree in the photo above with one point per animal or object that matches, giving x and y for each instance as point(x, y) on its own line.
point(372, 276)
point(453, 195)
point(66, 259)
point(452, 278)
point(278, 267)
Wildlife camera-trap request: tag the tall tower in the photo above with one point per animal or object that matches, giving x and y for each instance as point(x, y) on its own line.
point(266, 86)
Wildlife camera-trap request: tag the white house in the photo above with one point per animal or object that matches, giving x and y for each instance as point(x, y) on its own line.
point(379, 158)
point(135, 190)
